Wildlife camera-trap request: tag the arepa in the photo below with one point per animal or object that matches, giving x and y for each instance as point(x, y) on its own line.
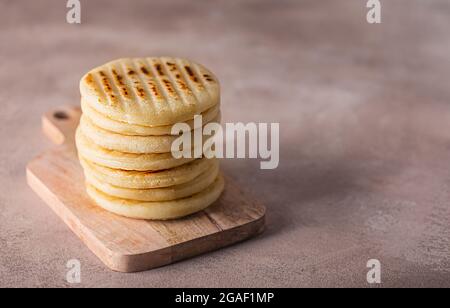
point(184, 190)
point(159, 210)
point(130, 144)
point(210, 115)
point(150, 91)
point(125, 161)
point(150, 179)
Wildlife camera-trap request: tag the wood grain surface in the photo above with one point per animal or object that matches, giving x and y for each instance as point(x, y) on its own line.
point(130, 245)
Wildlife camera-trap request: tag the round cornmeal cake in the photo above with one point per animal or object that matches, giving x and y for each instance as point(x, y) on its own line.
point(184, 190)
point(159, 210)
point(124, 143)
point(123, 128)
point(132, 144)
point(150, 91)
point(153, 179)
point(125, 161)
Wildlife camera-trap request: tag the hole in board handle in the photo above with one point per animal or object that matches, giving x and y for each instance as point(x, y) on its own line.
point(61, 115)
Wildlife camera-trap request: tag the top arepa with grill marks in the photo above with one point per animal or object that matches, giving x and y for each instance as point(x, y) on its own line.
point(150, 91)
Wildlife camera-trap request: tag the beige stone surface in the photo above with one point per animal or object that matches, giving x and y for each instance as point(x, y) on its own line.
point(365, 134)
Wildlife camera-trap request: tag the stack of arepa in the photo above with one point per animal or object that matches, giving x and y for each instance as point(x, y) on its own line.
point(124, 138)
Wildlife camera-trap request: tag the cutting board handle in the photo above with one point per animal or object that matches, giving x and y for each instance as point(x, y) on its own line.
point(59, 124)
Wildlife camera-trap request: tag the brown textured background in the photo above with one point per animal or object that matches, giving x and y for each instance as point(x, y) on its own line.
point(365, 134)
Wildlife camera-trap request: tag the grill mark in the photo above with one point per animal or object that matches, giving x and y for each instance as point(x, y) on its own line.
point(169, 88)
point(145, 88)
point(108, 87)
point(197, 70)
point(105, 82)
point(134, 82)
point(150, 84)
point(208, 78)
point(158, 83)
point(98, 89)
point(130, 97)
point(119, 78)
point(145, 71)
point(92, 84)
point(154, 87)
point(191, 73)
point(182, 82)
point(189, 68)
point(89, 80)
point(158, 67)
point(171, 65)
point(198, 75)
point(169, 69)
point(188, 82)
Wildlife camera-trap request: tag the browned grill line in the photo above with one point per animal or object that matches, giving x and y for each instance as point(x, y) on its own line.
point(129, 81)
point(136, 80)
point(144, 84)
point(191, 73)
point(204, 75)
point(169, 73)
point(145, 71)
point(150, 83)
point(158, 83)
point(182, 82)
point(159, 69)
point(187, 80)
point(208, 77)
point(131, 95)
point(109, 87)
point(119, 77)
point(97, 88)
point(197, 72)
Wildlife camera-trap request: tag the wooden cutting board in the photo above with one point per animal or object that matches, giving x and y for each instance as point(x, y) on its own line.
point(128, 245)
